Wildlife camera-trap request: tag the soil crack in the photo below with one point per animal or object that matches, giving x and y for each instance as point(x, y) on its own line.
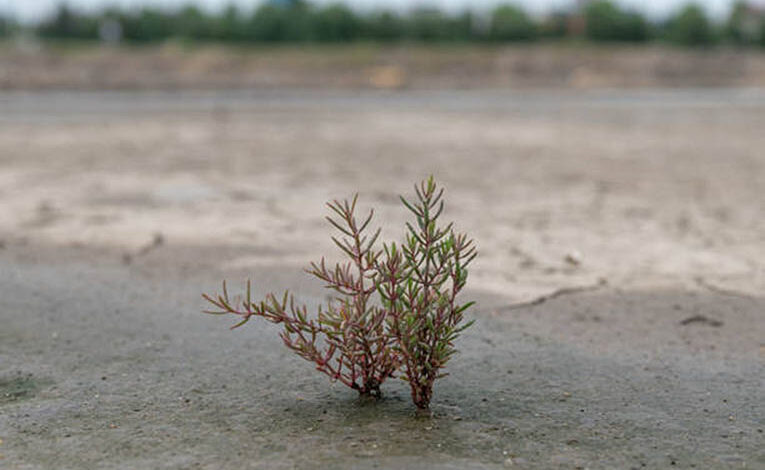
point(564, 291)
point(703, 283)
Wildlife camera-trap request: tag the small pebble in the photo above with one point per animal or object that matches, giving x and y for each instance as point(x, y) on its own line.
point(574, 258)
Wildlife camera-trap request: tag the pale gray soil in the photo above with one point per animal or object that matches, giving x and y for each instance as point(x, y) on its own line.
point(26, 65)
point(620, 310)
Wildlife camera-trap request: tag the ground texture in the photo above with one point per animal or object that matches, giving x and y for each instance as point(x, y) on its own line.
point(26, 65)
point(620, 311)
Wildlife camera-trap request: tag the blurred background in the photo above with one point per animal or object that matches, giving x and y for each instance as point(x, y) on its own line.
point(580, 141)
point(367, 43)
point(608, 158)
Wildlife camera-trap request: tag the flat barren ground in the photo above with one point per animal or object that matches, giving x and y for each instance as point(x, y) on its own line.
point(620, 283)
point(26, 65)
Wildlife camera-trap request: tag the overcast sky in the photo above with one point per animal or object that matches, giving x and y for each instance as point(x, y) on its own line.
point(29, 10)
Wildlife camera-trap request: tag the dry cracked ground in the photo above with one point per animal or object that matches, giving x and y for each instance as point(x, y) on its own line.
point(620, 283)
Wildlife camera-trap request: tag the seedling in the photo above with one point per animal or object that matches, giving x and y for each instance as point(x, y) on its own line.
point(393, 308)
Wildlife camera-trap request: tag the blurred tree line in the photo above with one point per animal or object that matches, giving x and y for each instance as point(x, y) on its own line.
point(301, 21)
point(6, 26)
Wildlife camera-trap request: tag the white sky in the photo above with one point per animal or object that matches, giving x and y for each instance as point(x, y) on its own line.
point(30, 10)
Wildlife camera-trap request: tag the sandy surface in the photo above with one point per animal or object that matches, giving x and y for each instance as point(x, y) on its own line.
point(26, 65)
point(620, 315)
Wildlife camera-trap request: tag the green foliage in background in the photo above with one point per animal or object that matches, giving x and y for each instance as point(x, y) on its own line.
point(302, 21)
point(432, 25)
point(690, 27)
point(5, 27)
point(336, 23)
point(511, 23)
point(384, 26)
point(744, 26)
point(148, 24)
point(606, 22)
point(555, 25)
point(735, 27)
point(67, 23)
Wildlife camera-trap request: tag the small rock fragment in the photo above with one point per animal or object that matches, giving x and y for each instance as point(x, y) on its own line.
point(574, 258)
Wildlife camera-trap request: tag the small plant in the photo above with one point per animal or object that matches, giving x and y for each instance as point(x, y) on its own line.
point(419, 286)
point(394, 308)
point(356, 349)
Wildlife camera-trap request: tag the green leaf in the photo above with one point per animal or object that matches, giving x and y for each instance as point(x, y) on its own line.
point(464, 307)
point(410, 206)
point(338, 226)
point(464, 327)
